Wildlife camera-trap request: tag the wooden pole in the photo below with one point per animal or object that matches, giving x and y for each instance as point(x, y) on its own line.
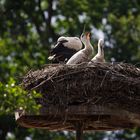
point(79, 131)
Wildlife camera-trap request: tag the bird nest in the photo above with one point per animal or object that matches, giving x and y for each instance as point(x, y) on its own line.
point(88, 93)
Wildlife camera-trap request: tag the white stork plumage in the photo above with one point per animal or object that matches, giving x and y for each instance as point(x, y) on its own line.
point(64, 49)
point(85, 54)
point(99, 57)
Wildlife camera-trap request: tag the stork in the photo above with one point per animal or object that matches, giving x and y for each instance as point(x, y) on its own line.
point(65, 48)
point(99, 57)
point(85, 54)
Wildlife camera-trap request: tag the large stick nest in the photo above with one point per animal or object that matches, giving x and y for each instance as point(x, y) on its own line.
point(112, 85)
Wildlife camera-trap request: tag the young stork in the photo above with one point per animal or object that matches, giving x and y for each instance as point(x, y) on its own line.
point(65, 48)
point(85, 54)
point(99, 57)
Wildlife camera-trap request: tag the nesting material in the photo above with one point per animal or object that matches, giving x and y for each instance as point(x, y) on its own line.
point(104, 96)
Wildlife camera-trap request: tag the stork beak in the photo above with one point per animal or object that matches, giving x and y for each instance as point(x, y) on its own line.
point(51, 57)
point(88, 35)
point(81, 36)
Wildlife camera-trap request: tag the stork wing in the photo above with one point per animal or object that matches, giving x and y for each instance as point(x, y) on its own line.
point(78, 58)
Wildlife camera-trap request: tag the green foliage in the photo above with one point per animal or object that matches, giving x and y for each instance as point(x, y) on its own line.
point(125, 34)
point(13, 97)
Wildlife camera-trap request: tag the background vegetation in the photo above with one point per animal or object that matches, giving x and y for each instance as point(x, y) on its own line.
point(28, 28)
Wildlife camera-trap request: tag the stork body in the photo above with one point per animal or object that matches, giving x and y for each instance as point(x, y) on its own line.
point(99, 57)
point(85, 54)
point(65, 48)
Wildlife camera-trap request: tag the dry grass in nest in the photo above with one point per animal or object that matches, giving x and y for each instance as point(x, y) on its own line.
point(112, 85)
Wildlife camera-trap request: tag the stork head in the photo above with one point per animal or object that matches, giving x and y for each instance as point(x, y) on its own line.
point(85, 37)
point(101, 43)
point(88, 35)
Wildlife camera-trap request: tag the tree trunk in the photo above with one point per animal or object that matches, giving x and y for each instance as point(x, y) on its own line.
point(79, 131)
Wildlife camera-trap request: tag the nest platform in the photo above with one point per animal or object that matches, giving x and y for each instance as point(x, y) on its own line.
point(99, 96)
